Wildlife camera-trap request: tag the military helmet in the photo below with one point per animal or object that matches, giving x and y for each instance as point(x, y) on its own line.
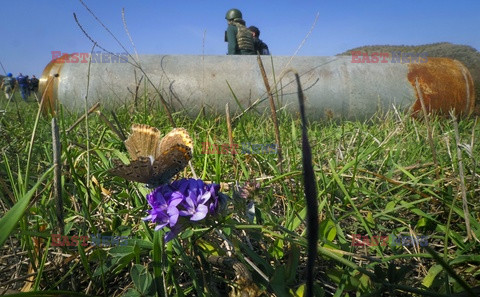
point(233, 14)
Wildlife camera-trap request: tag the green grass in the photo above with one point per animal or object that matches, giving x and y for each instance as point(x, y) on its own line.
point(374, 178)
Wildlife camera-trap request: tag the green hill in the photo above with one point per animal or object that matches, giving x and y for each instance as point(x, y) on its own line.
point(468, 55)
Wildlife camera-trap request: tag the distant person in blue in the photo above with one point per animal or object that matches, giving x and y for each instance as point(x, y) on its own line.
point(260, 46)
point(8, 83)
point(23, 85)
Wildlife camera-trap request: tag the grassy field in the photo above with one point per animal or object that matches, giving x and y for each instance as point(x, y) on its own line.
point(375, 179)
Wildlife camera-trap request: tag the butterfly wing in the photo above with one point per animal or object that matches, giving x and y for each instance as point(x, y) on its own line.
point(155, 161)
point(139, 170)
point(143, 142)
point(174, 137)
point(169, 163)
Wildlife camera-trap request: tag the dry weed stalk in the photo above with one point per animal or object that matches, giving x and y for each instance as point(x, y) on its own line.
point(135, 64)
point(273, 112)
point(461, 174)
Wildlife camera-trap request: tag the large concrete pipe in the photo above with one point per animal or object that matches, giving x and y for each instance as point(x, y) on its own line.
point(334, 86)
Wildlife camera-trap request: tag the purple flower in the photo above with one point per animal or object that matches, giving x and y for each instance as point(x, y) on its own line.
point(185, 200)
point(164, 207)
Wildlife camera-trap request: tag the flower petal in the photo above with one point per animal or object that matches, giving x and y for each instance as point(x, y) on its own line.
point(200, 214)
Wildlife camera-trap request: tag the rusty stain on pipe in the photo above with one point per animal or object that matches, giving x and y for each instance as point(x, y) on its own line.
point(445, 84)
point(48, 85)
point(334, 87)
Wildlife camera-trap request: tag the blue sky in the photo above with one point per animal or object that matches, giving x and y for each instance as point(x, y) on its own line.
point(32, 29)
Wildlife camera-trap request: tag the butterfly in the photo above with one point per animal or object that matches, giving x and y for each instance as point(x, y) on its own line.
point(154, 160)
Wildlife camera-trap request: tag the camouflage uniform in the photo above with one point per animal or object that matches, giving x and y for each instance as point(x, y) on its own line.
point(34, 84)
point(239, 38)
point(7, 85)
